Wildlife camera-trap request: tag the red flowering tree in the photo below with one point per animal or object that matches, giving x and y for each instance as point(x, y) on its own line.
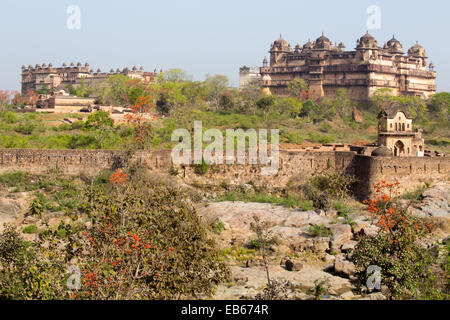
point(141, 120)
point(397, 247)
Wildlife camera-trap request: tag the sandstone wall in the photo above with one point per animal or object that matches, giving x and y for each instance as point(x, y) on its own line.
point(298, 165)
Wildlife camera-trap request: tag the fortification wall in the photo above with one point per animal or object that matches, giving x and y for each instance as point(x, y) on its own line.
point(411, 172)
point(293, 165)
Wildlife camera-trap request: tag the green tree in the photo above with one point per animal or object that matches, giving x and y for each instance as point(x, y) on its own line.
point(415, 105)
point(381, 98)
point(177, 75)
point(99, 120)
point(266, 103)
point(289, 106)
point(116, 92)
point(101, 124)
point(214, 87)
point(440, 106)
point(296, 86)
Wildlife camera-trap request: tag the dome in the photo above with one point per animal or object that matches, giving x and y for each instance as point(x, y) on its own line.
point(417, 51)
point(393, 46)
point(382, 152)
point(298, 48)
point(322, 43)
point(281, 44)
point(308, 45)
point(367, 41)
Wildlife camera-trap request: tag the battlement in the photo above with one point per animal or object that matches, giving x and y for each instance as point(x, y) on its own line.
point(410, 171)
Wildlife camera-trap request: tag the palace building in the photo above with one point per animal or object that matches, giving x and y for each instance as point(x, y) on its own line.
point(327, 67)
point(57, 78)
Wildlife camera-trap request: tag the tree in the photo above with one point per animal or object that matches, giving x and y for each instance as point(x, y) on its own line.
point(177, 75)
point(308, 109)
point(415, 105)
point(381, 98)
point(102, 124)
point(226, 101)
point(289, 106)
point(215, 86)
point(296, 86)
point(83, 90)
point(116, 90)
point(342, 102)
point(247, 98)
point(99, 120)
point(440, 106)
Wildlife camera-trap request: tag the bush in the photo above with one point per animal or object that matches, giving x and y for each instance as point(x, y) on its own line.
point(315, 230)
point(83, 141)
point(335, 184)
point(145, 241)
point(14, 179)
point(218, 227)
point(201, 169)
point(30, 229)
point(341, 208)
point(320, 199)
point(396, 248)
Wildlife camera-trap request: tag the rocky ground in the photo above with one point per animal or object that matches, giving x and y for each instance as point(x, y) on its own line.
point(304, 262)
point(298, 258)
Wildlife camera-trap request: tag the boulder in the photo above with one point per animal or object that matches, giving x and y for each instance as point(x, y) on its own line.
point(341, 234)
point(370, 230)
point(435, 203)
point(293, 265)
point(254, 263)
point(344, 267)
point(349, 246)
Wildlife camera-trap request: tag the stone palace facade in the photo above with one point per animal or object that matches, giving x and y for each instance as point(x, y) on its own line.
point(327, 67)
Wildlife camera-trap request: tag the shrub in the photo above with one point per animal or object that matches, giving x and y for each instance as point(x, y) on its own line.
point(341, 208)
point(82, 141)
point(336, 184)
point(77, 125)
point(202, 168)
point(25, 128)
point(218, 227)
point(30, 229)
point(14, 179)
point(315, 230)
point(320, 199)
point(395, 249)
point(173, 171)
point(145, 241)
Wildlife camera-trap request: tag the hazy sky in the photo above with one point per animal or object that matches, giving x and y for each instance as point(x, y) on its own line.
point(204, 36)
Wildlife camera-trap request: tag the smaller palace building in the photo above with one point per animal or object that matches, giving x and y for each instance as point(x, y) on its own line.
point(395, 134)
